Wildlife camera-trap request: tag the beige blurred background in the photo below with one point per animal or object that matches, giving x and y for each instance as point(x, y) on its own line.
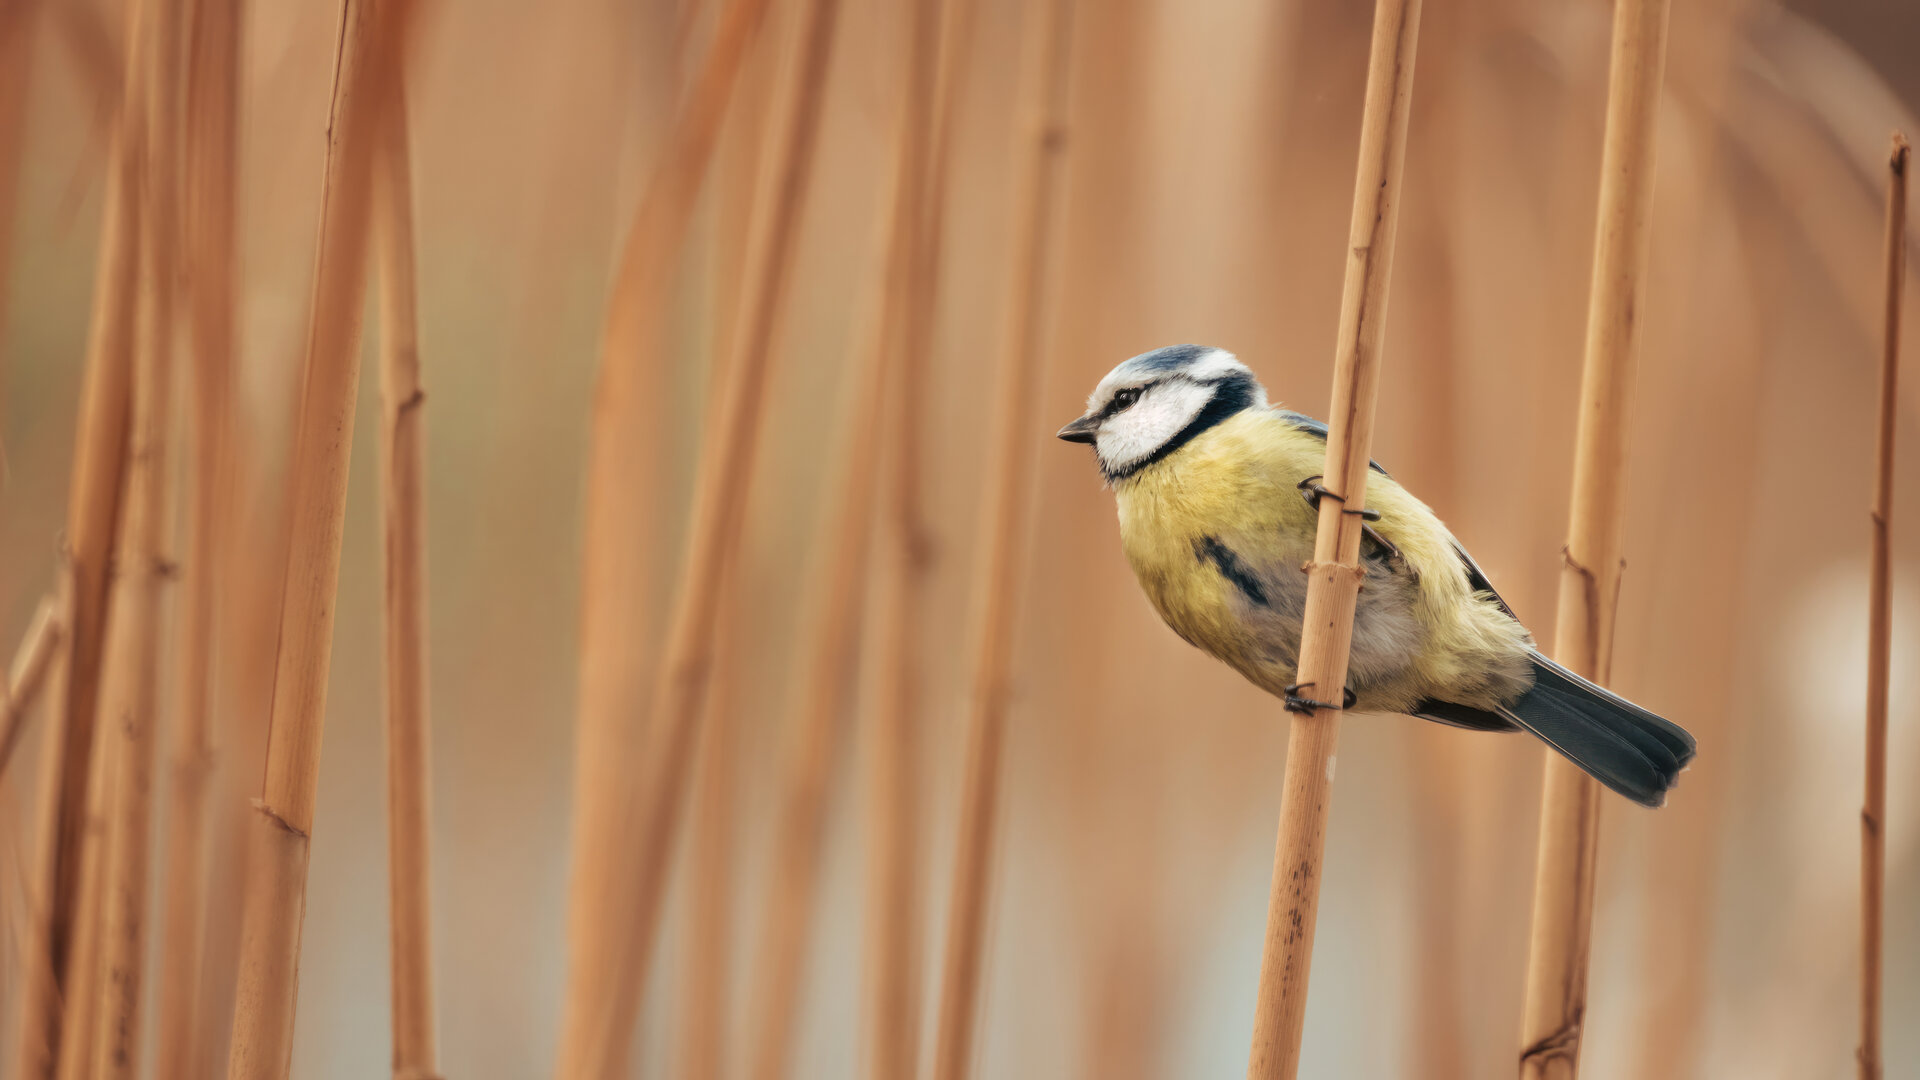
point(1211, 159)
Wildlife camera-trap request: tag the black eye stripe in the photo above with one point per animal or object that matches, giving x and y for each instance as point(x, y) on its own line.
point(1230, 395)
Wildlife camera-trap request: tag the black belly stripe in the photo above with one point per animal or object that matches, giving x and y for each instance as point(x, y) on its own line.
point(1209, 549)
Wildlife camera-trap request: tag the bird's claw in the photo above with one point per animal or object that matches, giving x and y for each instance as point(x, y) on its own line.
point(1311, 489)
point(1305, 706)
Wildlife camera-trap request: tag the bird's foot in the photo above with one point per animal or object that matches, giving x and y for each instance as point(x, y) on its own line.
point(1305, 706)
point(1311, 490)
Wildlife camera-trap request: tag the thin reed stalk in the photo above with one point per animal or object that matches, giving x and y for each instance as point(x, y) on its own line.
point(833, 637)
point(39, 986)
point(31, 662)
point(370, 44)
point(403, 510)
point(1003, 528)
point(209, 177)
point(594, 1045)
point(842, 553)
point(620, 561)
point(93, 522)
point(937, 48)
point(1333, 578)
point(1590, 577)
point(1873, 811)
point(143, 569)
point(707, 962)
point(702, 1029)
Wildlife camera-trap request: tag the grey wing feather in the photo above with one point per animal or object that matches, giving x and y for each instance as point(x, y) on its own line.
point(1318, 427)
point(1476, 577)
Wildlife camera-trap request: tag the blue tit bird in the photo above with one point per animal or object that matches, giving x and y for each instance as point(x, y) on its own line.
point(1217, 494)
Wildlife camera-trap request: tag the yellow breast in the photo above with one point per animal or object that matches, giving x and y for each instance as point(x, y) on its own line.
point(1234, 486)
point(1217, 533)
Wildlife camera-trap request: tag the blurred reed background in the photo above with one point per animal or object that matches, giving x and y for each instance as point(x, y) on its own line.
point(1209, 153)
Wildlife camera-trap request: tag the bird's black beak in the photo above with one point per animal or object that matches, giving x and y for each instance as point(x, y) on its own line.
point(1081, 430)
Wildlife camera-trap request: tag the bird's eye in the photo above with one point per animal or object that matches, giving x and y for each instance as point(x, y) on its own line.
point(1125, 398)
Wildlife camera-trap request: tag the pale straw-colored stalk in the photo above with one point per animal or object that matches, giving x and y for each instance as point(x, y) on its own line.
point(1042, 144)
point(274, 899)
point(1333, 577)
point(404, 575)
point(594, 1042)
point(210, 140)
point(1590, 577)
point(620, 560)
point(1873, 810)
point(143, 570)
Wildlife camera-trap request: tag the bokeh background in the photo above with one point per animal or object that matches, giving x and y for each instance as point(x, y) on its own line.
point(1211, 150)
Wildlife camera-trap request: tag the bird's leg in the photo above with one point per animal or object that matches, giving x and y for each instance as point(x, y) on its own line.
point(1305, 706)
point(1311, 489)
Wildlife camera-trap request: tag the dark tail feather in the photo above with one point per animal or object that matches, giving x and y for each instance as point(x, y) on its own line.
point(1617, 742)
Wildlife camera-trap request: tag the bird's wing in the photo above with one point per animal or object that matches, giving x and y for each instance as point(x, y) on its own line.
point(1318, 427)
point(1476, 577)
point(1477, 580)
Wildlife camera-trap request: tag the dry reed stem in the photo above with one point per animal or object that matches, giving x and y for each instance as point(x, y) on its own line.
point(403, 509)
point(371, 40)
point(209, 142)
point(624, 494)
point(594, 1043)
point(1873, 811)
point(702, 1029)
point(93, 521)
point(1334, 575)
point(936, 34)
point(1590, 577)
point(39, 987)
point(707, 960)
point(31, 662)
point(842, 551)
point(833, 636)
point(143, 569)
point(1003, 527)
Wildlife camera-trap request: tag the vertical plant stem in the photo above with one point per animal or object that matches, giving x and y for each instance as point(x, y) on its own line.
point(1873, 811)
point(618, 575)
point(833, 636)
point(130, 681)
point(595, 1045)
point(403, 508)
point(1003, 539)
point(1334, 575)
point(709, 904)
point(937, 50)
point(706, 967)
point(210, 141)
point(275, 892)
point(1590, 578)
point(93, 522)
point(842, 551)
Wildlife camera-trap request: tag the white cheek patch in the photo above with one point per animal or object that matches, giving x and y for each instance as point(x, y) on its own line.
point(1166, 408)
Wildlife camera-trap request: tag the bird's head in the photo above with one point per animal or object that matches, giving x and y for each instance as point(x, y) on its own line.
point(1156, 402)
